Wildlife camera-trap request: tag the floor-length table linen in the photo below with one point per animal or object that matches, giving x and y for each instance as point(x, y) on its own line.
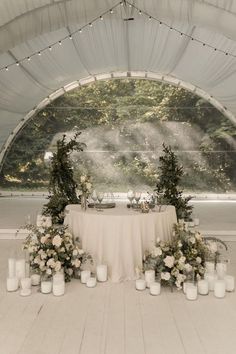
point(118, 237)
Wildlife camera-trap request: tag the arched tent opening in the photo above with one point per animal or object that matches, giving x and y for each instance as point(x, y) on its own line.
point(127, 157)
point(107, 76)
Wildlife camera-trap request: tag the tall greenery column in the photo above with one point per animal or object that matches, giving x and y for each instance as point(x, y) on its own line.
point(62, 186)
point(167, 187)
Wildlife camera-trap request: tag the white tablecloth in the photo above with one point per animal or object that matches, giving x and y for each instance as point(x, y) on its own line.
point(118, 237)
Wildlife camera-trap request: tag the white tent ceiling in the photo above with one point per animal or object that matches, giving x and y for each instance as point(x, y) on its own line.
point(191, 41)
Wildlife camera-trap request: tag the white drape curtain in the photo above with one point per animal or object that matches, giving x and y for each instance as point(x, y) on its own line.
point(111, 45)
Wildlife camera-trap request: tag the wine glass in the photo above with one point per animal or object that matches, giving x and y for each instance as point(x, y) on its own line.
point(100, 196)
point(94, 197)
point(137, 196)
point(130, 196)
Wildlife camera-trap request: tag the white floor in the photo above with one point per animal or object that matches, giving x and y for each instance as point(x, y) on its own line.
point(114, 319)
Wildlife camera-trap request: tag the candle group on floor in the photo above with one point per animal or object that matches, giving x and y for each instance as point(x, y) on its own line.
point(215, 280)
point(91, 281)
point(149, 282)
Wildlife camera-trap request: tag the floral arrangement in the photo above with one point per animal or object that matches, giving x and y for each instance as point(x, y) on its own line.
point(183, 255)
point(85, 186)
point(52, 249)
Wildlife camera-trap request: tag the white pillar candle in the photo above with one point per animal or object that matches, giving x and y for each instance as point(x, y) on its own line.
point(155, 288)
point(210, 267)
point(191, 292)
point(46, 286)
point(102, 272)
point(185, 285)
point(211, 278)
point(149, 277)
point(229, 283)
point(11, 267)
point(91, 282)
point(140, 284)
point(25, 292)
point(221, 269)
point(20, 268)
point(219, 288)
point(196, 221)
point(35, 279)
point(84, 276)
point(203, 287)
point(25, 283)
point(12, 284)
point(59, 276)
point(58, 287)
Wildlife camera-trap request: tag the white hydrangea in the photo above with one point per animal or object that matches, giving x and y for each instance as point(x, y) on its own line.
point(156, 252)
point(165, 275)
point(188, 267)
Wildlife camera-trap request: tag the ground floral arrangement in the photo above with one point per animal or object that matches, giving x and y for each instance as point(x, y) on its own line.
point(185, 254)
point(52, 249)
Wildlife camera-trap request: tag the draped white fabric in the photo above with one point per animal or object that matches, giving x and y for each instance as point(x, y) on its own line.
point(111, 45)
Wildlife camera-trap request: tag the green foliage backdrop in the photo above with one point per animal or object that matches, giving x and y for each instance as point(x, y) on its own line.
point(127, 121)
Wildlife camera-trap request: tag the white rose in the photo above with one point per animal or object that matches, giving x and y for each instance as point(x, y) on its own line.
point(77, 263)
point(62, 249)
point(198, 260)
point(43, 255)
point(156, 252)
point(169, 261)
point(188, 267)
point(165, 275)
point(51, 263)
point(57, 240)
point(37, 260)
point(69, 271)
point(180, 244)
point(43, 239)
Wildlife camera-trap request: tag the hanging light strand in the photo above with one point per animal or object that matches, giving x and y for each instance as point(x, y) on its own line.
point(100, 18)
point(181, 33)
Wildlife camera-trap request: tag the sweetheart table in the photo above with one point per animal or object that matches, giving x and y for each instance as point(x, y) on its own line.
point(118, 237)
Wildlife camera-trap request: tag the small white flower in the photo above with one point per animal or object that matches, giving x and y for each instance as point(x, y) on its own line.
point(165, 275)
point(182, 259)
point(57, 266)
point(69, 271)
point(51, 263)
point(43, 255)
point(81, 252)
point(82, 179)
point(75, 252)
point(198, 236)
point(57, 240)
point(88, 186)
point(198, 260)
point(192, 240)
point(43, 239)
point(169, 261)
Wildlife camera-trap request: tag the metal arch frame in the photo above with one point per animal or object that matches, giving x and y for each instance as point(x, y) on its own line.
point(108, 76)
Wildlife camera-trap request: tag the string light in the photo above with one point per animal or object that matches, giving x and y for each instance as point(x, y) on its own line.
point(101, 18)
